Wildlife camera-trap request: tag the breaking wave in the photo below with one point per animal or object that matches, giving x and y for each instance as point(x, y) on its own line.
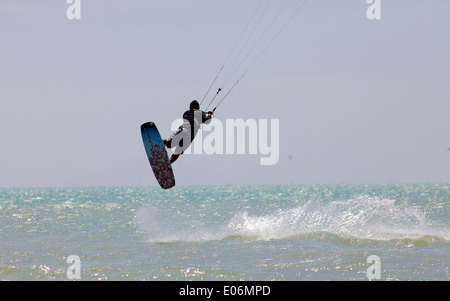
point(356, 221)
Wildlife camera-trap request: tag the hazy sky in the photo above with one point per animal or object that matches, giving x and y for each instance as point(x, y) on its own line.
point(358, 100)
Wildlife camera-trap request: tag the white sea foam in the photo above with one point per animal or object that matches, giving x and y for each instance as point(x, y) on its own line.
point(364, 217)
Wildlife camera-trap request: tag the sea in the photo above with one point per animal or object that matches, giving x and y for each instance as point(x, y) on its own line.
point(227, 233)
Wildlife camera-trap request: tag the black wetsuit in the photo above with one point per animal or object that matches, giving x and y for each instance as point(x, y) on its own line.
point(192, 121)
point(191, 116)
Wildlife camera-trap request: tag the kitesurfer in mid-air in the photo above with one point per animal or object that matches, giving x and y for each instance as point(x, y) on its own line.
point(183, 137)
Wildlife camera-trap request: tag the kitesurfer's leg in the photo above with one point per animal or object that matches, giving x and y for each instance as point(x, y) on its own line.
point(174, 158)
point(167, 143)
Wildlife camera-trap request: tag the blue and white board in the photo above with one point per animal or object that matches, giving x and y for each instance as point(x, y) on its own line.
point(157, 155)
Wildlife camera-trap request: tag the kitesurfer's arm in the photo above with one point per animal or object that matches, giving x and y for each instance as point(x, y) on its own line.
point(207, 116)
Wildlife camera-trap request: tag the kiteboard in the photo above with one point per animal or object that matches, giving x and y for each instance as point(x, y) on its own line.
point(157, 155)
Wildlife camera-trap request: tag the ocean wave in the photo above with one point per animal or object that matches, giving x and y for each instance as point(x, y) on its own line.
point(364, 220)
point(425, 241)
point(365, 217)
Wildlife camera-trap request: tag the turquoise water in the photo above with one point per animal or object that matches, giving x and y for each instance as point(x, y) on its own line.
point(226, 232)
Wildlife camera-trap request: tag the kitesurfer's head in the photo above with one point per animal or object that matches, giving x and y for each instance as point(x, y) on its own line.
point(194, 105)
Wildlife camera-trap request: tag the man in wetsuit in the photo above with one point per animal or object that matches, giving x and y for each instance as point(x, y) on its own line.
point(186, 133)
